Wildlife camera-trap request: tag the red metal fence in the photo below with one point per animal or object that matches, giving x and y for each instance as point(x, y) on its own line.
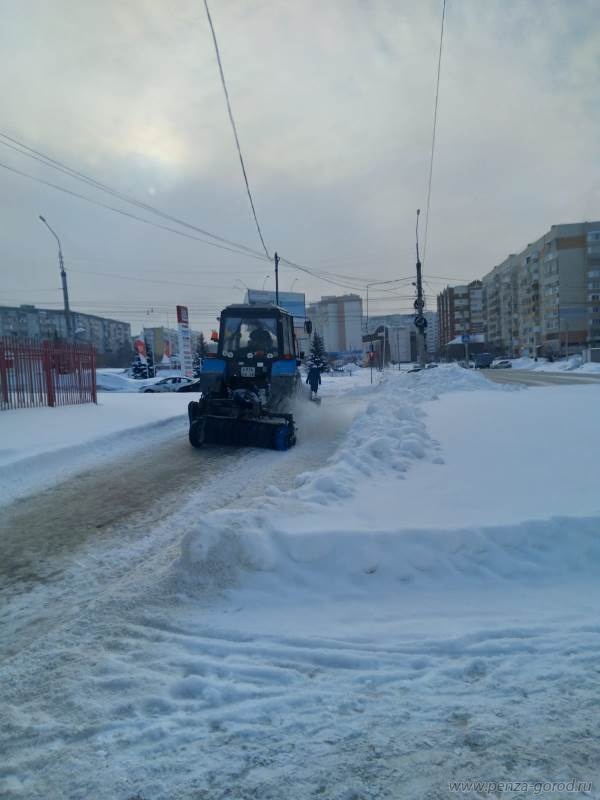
point(45, 373)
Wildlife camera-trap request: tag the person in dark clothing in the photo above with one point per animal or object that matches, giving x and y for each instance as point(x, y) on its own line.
point(261, 340)
point(313, 378)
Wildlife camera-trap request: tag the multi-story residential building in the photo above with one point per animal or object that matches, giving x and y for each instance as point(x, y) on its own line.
point(110, 337)
point(593, 285)
point(501, 307)
point(460, 312)
point(542, 300)
point(338, 320)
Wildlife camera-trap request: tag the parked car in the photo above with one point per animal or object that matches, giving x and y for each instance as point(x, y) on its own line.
point(483, 360)
point(504, 363)
point(430, 366)
point(173, 384)
point(190, 386)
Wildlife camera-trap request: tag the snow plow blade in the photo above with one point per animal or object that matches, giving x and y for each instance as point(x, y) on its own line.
point(240, 429)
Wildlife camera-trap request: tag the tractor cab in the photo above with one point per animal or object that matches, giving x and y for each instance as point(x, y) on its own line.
point(248, 387)
point(253, 340)
point(266, 331)
point(257, 350)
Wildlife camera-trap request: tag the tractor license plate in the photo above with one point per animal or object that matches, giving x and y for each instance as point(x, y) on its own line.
point(248, 372)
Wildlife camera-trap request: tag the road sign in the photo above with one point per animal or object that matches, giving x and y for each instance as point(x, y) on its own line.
point(420, 321)
point(419, 304)
point(465, 338)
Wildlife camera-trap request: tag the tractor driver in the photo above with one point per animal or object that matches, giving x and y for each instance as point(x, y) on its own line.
point(260, 339)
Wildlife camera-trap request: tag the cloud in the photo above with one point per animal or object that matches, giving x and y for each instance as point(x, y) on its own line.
point(334, 105)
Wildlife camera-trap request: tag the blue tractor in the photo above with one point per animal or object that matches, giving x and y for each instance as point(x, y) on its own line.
point(248, 388)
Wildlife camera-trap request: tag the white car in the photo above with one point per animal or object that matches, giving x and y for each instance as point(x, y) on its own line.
point(166, 385)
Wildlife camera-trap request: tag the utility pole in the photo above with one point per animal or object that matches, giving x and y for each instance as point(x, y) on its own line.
point(63, 277)
point(276, 279)
point(419, 305)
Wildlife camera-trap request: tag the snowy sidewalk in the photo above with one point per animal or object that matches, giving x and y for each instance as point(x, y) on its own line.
point(42, 446)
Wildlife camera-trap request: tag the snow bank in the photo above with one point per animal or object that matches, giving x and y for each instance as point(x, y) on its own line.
point(573, 363)
point(110, 380)
point(379, 448)
point(412, 495)
point(389, 435)
point(342, 564)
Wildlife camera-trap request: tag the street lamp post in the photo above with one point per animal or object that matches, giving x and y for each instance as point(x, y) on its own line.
point(63, 276)
point(265, 280)
point(243, 287)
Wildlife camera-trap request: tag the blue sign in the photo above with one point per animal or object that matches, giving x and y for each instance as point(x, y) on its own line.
point(293, 302)
point(465, 338)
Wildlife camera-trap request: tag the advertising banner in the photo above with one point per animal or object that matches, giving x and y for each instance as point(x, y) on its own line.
point(140, 348)
point(185, 341)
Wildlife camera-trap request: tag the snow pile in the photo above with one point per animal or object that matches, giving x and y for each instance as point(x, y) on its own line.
point(380, 446)
point(110, 380)
point(573, 363)
point(346, 564)
point(389, 435)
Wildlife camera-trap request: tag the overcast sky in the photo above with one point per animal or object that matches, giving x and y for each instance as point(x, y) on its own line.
point(334, 102)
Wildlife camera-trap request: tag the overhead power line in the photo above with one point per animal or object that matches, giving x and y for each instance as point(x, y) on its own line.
point(336, 279)
point(23, 149)
point(124, 213)
point(435, 113)
point(233, 126)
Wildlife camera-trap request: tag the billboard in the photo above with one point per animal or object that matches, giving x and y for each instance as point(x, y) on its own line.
point(185, 343)
point(293, 302)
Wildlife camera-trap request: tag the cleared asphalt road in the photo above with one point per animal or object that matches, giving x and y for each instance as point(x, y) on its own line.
point(535, 378)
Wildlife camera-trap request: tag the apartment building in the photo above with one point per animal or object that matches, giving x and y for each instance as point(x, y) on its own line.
point(338, 320)
point(110, 337)
point(460, 312)
point(593, 284)
point(546, 299)
point(501, 307)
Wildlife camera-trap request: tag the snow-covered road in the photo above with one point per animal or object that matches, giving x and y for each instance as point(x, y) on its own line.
point(321, 642)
